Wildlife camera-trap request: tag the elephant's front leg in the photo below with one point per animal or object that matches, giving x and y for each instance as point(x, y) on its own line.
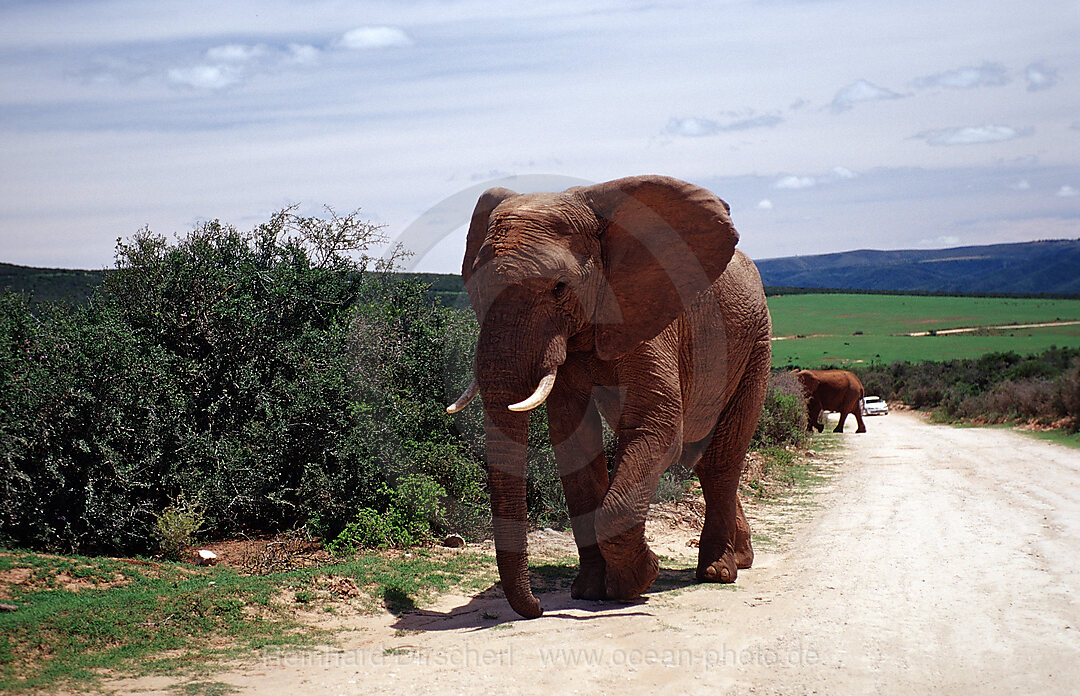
point(649, 442)
point(577, 438)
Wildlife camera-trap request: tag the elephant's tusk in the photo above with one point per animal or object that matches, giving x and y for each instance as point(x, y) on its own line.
point(466, 396)
point(540, 395)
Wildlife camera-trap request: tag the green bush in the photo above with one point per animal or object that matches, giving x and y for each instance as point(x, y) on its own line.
point(1068, 395)
point(783, 417)
point(368, 530)
point(270, 375)
point(994, 387)
point(178, 526)
point(414, 513)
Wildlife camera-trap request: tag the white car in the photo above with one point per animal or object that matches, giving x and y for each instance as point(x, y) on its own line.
point(874, 406)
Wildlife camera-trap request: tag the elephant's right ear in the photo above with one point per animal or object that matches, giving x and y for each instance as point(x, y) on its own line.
point(487, 202)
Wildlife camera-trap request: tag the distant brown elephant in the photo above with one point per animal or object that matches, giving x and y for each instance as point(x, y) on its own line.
point(831, 390)
point(625, 301)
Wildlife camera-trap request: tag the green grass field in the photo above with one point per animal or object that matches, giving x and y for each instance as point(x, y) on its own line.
point(823, 329)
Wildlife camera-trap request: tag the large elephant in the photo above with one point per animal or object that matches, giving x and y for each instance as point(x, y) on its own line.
point(625, 301)
point(831, 390)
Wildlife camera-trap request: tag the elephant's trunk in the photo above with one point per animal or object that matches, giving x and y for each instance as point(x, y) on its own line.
point(511, 358)
point(507, 434)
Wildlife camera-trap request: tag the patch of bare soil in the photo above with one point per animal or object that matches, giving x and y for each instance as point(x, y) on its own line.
point(268, 554)
point(13, 577)
point(26, 579)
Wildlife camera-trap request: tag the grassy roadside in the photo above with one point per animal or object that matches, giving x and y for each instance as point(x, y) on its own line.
point(780, 485)
point(1059, 437)
point(85, 620)
point(81, 619)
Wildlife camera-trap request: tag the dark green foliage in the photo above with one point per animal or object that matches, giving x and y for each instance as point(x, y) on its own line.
point(267, 376)
point(783, 417)
point(544, 493)
point(994, 387)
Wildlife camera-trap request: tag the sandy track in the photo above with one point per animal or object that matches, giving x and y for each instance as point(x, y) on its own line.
point(940, 560)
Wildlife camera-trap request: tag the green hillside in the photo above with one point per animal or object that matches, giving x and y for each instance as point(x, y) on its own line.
point(833, 329)
point(50, 284)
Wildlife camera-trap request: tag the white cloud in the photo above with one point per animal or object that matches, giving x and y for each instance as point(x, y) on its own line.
point(302, 54)
point(843, 173)
point(985, 75)
point(763, 121)
point(235, 53)
point(1040, 77)
point(1022, 185)
point(230, 64)
point(944, 241)
point(764, 204)
point(692, 127)
point(795, 182)
point(374, 37)
point(204, 76)
point(861, 91)
point(1067, 191)
point(973, 135)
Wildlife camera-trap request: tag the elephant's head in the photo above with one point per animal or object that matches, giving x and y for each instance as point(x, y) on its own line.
point(597, 268)
point(808, 380)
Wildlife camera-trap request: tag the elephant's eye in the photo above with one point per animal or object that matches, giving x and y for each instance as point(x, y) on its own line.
point(560, 288)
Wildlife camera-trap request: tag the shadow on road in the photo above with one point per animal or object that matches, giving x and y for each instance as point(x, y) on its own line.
point(551, 583)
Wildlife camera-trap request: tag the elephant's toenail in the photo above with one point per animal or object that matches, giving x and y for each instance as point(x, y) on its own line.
point(725, 574)
point(710, 573)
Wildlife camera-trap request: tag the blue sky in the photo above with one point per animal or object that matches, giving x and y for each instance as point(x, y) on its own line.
point(827, 125)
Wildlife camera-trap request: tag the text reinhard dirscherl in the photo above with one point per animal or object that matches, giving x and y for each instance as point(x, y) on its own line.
point(467, 657)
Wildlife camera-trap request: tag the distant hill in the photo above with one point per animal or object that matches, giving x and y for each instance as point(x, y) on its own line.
point(50, 284)
point(1029, 268)
point(1048, 267)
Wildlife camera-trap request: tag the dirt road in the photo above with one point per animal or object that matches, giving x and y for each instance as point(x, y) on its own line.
point(938, 560)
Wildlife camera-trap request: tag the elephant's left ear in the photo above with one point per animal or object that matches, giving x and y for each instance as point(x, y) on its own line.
point(663, 241)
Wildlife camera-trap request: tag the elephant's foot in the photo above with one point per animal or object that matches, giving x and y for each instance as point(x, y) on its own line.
point(718, 560)
point(590, 582)
point(630, 580)
point(630, 565)
point(820, 427)
point(723, 569)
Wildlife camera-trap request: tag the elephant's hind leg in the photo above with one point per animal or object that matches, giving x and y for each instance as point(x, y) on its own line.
point(725, 537)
